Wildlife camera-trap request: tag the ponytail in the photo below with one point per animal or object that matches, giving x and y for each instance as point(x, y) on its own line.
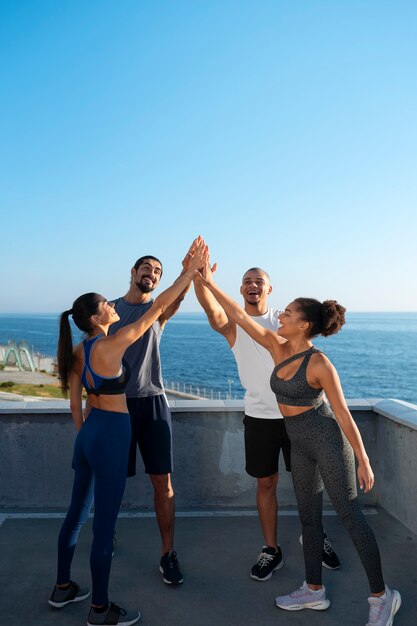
point(82, 309)
point(65, 355)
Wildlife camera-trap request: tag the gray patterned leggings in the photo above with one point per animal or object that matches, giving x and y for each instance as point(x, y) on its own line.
point(320, 453)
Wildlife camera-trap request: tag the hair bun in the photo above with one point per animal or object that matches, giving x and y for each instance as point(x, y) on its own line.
point(333, 317)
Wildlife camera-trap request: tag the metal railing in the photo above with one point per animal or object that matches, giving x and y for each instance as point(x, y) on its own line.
point(197, 391)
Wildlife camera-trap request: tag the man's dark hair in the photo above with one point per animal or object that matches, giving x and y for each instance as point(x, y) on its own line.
point(145, 258)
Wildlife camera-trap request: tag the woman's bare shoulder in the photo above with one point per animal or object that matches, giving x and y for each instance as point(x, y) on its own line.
point(321, 362)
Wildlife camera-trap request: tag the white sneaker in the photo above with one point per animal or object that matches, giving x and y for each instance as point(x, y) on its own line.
point(382, 610)
point(304, 598)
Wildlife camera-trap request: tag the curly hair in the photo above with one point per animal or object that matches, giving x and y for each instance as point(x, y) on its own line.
point(325, 318)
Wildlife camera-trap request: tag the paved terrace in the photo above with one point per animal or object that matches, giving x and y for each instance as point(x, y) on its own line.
point(217, 534)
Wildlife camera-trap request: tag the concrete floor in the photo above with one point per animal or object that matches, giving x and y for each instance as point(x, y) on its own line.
point(216, 553)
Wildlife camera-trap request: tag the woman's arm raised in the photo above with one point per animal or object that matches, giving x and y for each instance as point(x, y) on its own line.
point(265, 337)
point(127, 335)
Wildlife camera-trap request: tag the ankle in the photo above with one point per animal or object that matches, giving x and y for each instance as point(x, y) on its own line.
point(273, 546)
point(100, 608)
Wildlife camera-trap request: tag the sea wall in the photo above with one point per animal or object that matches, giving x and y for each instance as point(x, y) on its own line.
point(36, 440)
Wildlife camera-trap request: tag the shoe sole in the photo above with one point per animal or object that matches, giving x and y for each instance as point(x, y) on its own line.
point(329, 566)
point(170, 582)
point(120, 623)
point(321, 605)
point(261, 580)
point(396, 603)
point(59, 605)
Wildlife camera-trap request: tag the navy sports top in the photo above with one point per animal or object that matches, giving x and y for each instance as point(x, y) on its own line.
point(296, 391)
point(102, 385)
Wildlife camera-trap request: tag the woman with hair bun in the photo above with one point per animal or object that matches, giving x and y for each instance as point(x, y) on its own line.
point(102, 445)
point(324, 439)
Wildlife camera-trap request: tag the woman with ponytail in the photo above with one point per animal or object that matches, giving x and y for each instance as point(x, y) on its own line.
point(324, 439)
point(102, 444)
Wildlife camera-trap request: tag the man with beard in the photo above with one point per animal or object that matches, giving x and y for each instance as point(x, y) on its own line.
point(148, 407)
point(265, 434)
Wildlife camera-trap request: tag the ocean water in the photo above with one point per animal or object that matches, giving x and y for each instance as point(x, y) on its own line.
point(375, 353)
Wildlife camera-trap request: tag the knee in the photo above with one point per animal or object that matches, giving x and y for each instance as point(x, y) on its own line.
point(162, 485)
point(352, 518)
point(268, 483)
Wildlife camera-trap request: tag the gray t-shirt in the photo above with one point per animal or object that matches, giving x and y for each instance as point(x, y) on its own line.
point(143, 356)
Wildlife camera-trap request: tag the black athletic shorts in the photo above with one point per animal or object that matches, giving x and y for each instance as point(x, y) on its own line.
point(152, 432)
point(264, 438)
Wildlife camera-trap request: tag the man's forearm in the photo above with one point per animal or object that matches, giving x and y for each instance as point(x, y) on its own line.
point(214, 311)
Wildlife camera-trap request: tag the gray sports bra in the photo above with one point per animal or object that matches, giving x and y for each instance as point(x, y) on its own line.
point(296, 391)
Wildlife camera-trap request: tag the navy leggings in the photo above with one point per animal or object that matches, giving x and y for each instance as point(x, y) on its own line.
point(100, 462)
point(319, 450)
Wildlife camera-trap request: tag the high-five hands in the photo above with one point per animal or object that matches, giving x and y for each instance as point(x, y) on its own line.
point(206, 271)
point(194, 259)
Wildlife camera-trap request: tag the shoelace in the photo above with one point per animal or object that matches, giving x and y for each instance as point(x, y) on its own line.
point(375, 612)
point(264, 559)
point(173, 561)
point(299, 593)
point(119, 609)
point(327, 547)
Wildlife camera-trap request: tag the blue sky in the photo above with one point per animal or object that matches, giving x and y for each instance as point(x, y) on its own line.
point(283, 131)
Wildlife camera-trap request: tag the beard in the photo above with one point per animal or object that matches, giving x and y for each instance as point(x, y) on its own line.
point(144, 288)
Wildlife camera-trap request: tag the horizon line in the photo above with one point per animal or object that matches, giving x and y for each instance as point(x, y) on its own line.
point(200, 311)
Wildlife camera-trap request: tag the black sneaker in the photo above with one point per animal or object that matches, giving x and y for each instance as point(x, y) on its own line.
point(114, 615)
point(170, 568)
point(73, 593)
point(330, 560)
point(268, 562)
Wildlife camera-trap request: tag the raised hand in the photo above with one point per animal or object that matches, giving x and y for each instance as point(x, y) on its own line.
point(194, 259)
point(207, 271)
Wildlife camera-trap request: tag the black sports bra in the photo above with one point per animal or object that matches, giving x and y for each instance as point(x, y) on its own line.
point(102, 385)
point(296, 391)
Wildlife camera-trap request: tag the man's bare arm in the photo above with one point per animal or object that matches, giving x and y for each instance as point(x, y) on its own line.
point(173, 308)
point(216, 315)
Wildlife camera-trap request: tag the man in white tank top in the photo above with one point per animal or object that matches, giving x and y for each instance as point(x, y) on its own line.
point(265, 433)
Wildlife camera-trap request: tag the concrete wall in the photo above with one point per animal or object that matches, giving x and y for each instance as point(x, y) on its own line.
point(397, 466)
point(36, 440)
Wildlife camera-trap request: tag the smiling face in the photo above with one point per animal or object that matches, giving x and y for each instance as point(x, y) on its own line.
point(147, 276)
point(256, 288)
point(292, 322)
point(106, 313)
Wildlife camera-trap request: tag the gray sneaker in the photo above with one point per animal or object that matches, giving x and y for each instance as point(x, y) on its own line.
point(73, 593)
point(114, 615)
point(304, 598)
point(382, 610)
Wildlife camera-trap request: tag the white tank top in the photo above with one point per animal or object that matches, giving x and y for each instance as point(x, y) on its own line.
point(255, 364)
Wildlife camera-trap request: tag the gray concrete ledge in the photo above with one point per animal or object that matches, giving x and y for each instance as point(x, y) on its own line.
point(399, 411)
point(36, 441)
point(393, 409)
